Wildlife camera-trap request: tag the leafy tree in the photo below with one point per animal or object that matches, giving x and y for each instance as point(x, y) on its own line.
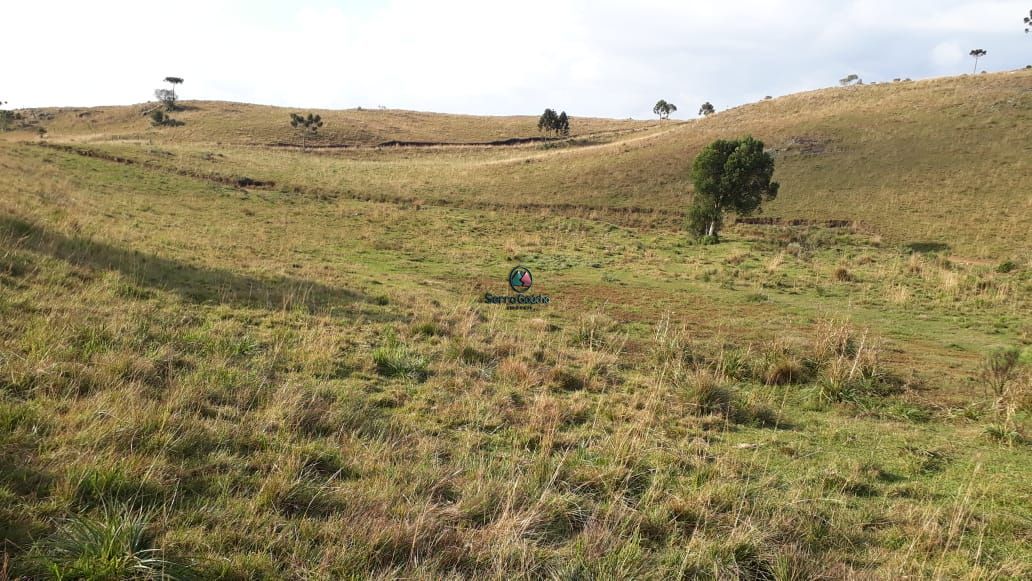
point(42, 132)
point(174, 81)
point(977, 53)
point(307, 125)
point(548, 120)
point(3, 116)
point(853, 79)
point(729, 175)
point(167, 97)
point(664, 109)
point(707, 109)
point(555, 123)
point(1028, 22)
point(562, 124)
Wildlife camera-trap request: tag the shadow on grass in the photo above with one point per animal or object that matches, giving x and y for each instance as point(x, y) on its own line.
point(926, 247)
point(194, 283)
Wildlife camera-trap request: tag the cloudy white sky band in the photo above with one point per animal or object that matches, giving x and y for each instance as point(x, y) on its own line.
point(591, 58)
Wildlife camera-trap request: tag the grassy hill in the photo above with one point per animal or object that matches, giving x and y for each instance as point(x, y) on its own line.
point(222, 358)
point(943, 161)
point(246, 124)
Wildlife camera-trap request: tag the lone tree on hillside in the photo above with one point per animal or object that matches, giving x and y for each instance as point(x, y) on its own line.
point(174, 81)
point(664, 109)
point(707, 109)
point(551, 122)
point(853, 79)
point(168, 96)
point(977, 53)
point(728, 175)
point(3, 116)
point(306, 124)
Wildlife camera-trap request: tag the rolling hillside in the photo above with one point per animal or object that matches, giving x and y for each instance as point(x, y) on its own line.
point(213, 122)
point(225, 358)
point(943, 161)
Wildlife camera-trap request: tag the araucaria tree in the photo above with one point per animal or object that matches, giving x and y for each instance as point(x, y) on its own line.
point(307, 125)
point(168, 96)
point(707, 109)
point(664, 109)
point(551, 122)
point(729, 175)
point(977, 53)
point(174, 81)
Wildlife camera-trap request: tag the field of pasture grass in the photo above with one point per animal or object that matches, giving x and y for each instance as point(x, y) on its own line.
point(296, 376)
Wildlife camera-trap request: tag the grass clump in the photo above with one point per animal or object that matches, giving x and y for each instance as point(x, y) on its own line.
point(395, 359)
point(116, 545)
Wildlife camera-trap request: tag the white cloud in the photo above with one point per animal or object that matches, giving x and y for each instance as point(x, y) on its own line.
point(947, 55)
point(605, 57)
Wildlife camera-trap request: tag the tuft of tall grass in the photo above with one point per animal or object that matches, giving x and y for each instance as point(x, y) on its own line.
point(395, 359)
point(116, 545)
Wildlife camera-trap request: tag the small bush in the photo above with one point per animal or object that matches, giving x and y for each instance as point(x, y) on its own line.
point(1000, 367)
point(160, 119)
point(1006, 266)
point(843, 275)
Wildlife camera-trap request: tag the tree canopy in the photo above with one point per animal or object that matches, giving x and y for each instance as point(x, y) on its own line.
point(552, 122)
point(707, 109)
point(978, 53)
point(307, 125)
point(729, 175)
point(664, 109)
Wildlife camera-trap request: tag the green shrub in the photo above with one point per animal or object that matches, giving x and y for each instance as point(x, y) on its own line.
point(1006, 266)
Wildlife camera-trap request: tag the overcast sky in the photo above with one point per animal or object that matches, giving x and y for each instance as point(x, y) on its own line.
point(591, 58)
